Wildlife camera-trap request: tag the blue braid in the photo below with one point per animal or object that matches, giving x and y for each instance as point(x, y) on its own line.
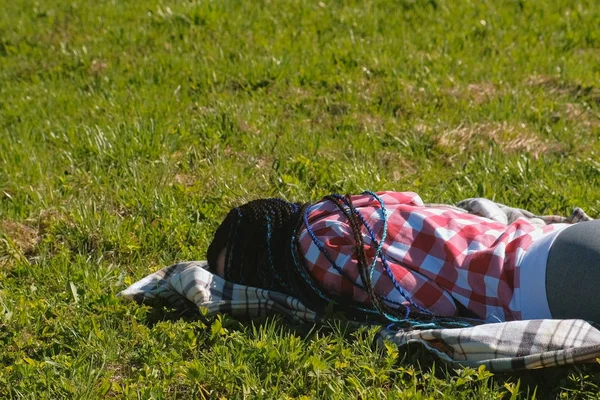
point(378, 251)
point(371, 292)
point(376, 309)
point(386, 266)
point(384, 230)
point(321, 246)
point(304, 274)
point(378, 254)
point(302, 271)
point(371, 233)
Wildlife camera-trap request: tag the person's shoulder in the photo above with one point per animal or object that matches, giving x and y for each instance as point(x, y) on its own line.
point(393, 197)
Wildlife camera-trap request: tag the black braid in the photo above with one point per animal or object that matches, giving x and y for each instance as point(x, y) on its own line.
point(256, 237)
point(361, 257)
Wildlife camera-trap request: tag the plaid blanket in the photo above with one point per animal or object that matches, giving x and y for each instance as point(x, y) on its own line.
point(506, 346)
point(190, 284)
point(503, 346)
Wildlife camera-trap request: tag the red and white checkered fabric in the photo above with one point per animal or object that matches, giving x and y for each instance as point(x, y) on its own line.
point(439, 255)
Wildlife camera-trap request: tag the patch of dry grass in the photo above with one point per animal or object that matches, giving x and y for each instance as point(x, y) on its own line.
point(478, 93)
point(582, 115)
point(509, 138)
point(23, 236)
point(557, 87)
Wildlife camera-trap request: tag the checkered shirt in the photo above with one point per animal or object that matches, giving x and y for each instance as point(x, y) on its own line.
point(441, 256)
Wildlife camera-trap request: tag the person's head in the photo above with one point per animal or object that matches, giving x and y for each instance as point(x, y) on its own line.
point(252, 246)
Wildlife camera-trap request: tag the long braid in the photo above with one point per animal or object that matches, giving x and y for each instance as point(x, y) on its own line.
point(308, 283)
point(362, 263)
point(361, 257)
point(359, 246)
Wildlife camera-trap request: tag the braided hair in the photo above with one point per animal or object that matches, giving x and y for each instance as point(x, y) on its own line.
point(260, 241)
point(257, 241)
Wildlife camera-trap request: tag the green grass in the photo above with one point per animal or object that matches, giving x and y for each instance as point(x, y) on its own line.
point(128, 129)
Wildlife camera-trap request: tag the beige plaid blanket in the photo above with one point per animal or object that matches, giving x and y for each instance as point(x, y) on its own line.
point(505, 346)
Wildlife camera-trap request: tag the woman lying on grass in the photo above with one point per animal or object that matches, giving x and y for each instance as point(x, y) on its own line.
point(390, 254)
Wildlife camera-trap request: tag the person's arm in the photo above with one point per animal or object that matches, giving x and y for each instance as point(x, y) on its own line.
point(329, 252)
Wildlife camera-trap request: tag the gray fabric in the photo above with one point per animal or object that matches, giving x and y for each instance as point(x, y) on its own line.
point(573, 267)
point(507, 215)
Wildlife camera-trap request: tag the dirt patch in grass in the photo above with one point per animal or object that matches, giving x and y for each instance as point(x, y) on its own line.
point(559, 87)
point(396, 164)
point(478, 93)
point(97, 67)
point(49, 218)
point(581, 115)
point(369, 122)
point(186, 180)
point(246, 127)
point(24, 237)
point(509, 138)
point(481, 92)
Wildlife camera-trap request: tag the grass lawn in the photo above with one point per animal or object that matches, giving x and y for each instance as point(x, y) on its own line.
point(129, 128)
